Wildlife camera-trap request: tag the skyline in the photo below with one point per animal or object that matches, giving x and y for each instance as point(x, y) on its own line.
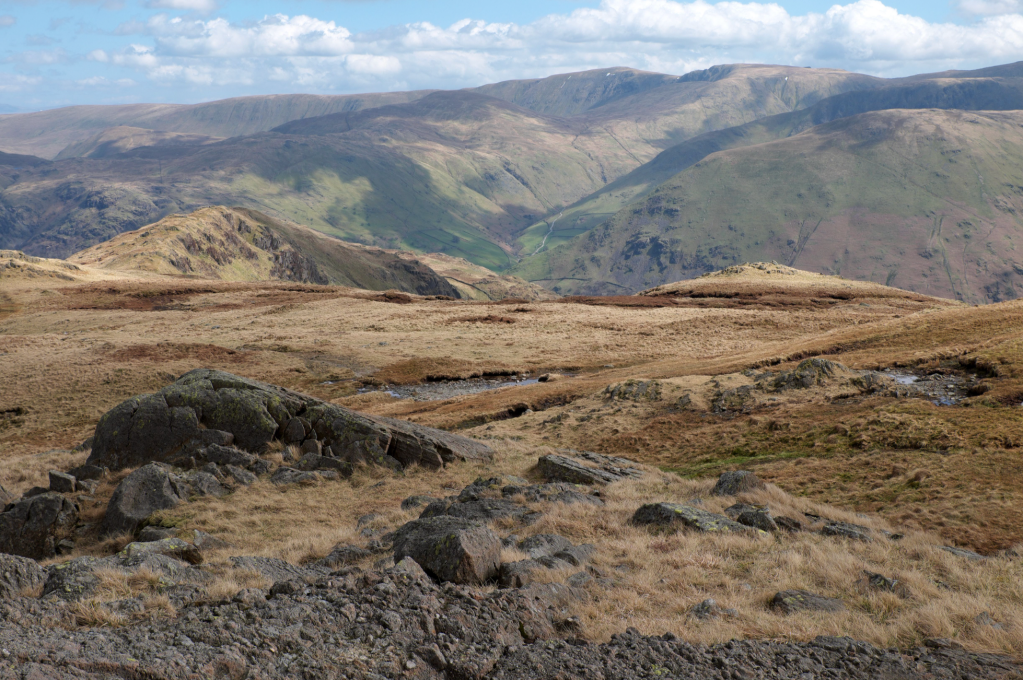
point(60, 52)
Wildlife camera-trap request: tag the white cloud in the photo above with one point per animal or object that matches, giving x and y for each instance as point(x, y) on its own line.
point(660, 35)
point(10, 82)
point(7, 20)
point(200, 6)
point(990, 7)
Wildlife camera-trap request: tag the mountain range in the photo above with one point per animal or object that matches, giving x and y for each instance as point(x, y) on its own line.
point(606, 181)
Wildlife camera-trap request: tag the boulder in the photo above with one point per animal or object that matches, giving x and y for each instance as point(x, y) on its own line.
point(734, 483)
point(19, 575)
point(61, 482)
point(32, 527)
point(76, 579)
point(227, 455)
point(92, 472)
point(450, 548)
point(789, 601)
point(673, 514)
point(586, 467)
point(143, 492)
point(789, 524)
point(205, 411)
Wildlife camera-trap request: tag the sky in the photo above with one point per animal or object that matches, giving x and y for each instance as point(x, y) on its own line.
point(68, 52)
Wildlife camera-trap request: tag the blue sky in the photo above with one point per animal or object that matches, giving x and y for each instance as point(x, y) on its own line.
point(63, 52)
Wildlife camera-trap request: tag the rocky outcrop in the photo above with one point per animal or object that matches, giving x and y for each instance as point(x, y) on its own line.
point(450, 548)
point(205, 412)
point(673, 515)
point(150, 488)
point(35, 527)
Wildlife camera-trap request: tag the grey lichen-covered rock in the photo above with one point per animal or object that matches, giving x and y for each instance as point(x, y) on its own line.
point(344, 555)
point(413, 502)
point(450, 548)
point(675, 515)
point(19, 575)
point(205, 411)
point(709, 609)
point(150, 488)
point(277, 570)
point(243, 477)
point(789, 601)
point(872, 581)
point(734, 483)
point(32, 527)
point(286, 475)
point(76, 579)
point(809, 373)
point(481, 510)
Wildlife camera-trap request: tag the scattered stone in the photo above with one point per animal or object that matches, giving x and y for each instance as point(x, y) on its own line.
point(557, 468)
point(205, 484)
point(734, 483)
point(314, 461)
point(61, 482)
point(789, 524)
point(311, 447)
point(243, 477)
point(854, 532)
point(344, 555)
point(204, 541)
point(576, 555)
point(518, 574)
point(550, 377)
point(758, 519)
point(154, 533)
point(87, 486)
point(543, 545)
point(579, 580)
point(709, 609)
point(734, 511)
point(33, 527)
point(673, 514)
point(872, 581)
point(227, 455)
point(789, 601)
point(88, 472)
point(413, 502)
point(286, 475)
point(985, 619)
point(450, 548)
point(170, 547)
point(34, 491)
point(19, 575)
point(963, 552)
point(277, 570)
point(481, 510)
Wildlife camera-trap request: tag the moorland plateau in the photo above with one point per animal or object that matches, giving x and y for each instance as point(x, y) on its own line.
point(881, 542)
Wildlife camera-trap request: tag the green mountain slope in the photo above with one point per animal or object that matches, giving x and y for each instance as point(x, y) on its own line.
point(456, 172)
point(992, 94)
point(926, 200)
